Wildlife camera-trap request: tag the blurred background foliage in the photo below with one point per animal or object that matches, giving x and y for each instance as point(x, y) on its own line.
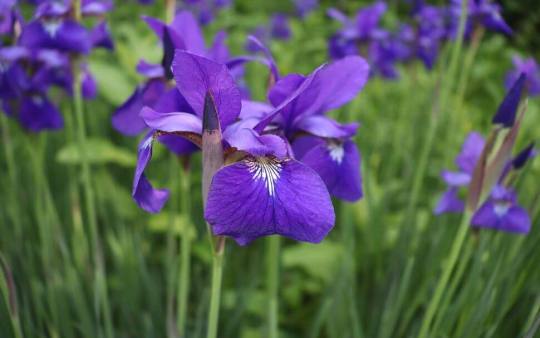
point(372, 277)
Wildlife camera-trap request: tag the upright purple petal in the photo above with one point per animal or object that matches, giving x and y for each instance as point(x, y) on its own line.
point(334, 85)
point(196, 76)
point(470, 152)
point(187, 27)
point(506, 114)
point(262, 196)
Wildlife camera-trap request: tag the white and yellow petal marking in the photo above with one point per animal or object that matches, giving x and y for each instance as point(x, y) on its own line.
point(267, 169)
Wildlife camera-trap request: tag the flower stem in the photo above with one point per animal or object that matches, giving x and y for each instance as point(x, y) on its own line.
point(215, 292)
point(447, 272)
point(440, 104)
point(273, 258)
point(100, 282)
point(185, 254)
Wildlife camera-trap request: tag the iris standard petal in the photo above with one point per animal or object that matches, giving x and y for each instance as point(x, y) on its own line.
point(187, 27)
point(196, 76)
point(470, 152)
point(506, 114)
point(334, 85)
point(262, 196)
point(148, 198)
point(338, 164)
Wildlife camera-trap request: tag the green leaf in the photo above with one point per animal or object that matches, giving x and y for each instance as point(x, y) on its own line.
point(318, 260)
point(113, 83)
point(163, 222)
point(98, 151)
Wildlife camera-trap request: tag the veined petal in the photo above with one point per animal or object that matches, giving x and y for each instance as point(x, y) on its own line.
point(263, 196)
point(148, 198)
point(338, 164)
point(197, 76)
point(254, 109)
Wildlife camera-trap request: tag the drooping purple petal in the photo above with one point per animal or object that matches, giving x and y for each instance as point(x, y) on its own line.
point(38, 113)
point(338, 164)
point(171, 122)
point(449, 202)
point(148, 198)
point(502, 216)
point(456, 179)
point(101, 37)
point(323, 126)
point(261, 196)
point(196, 76)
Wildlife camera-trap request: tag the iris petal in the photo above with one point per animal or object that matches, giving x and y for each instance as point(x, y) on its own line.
point(260, 197)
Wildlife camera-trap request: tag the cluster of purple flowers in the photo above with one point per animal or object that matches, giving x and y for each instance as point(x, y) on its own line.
point(36, 55)
point(278, 28)
point(283, 158)
point(419, 39)
point(499, 209)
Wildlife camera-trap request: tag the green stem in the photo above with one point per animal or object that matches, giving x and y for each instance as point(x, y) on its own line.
point(15, 212)
point(439, 105)
point(185, 254)
point(447, 272)
point(170, 7)
point(273, 258)
point(100, 282)
point(215, 291)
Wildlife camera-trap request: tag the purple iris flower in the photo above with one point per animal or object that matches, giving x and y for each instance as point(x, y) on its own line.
point(530, 68)
point(317, 140)
point(480, 12)
point(304, 7)
point(501, 211)
point(279, 27)
point(184, 33)
point(266, 191)
point(205, 10)
point(23, 93)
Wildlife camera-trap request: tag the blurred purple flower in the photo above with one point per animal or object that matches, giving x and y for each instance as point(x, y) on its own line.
point(304, 7)
point(530, 68)
point(501, 210)
point(480, 12)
